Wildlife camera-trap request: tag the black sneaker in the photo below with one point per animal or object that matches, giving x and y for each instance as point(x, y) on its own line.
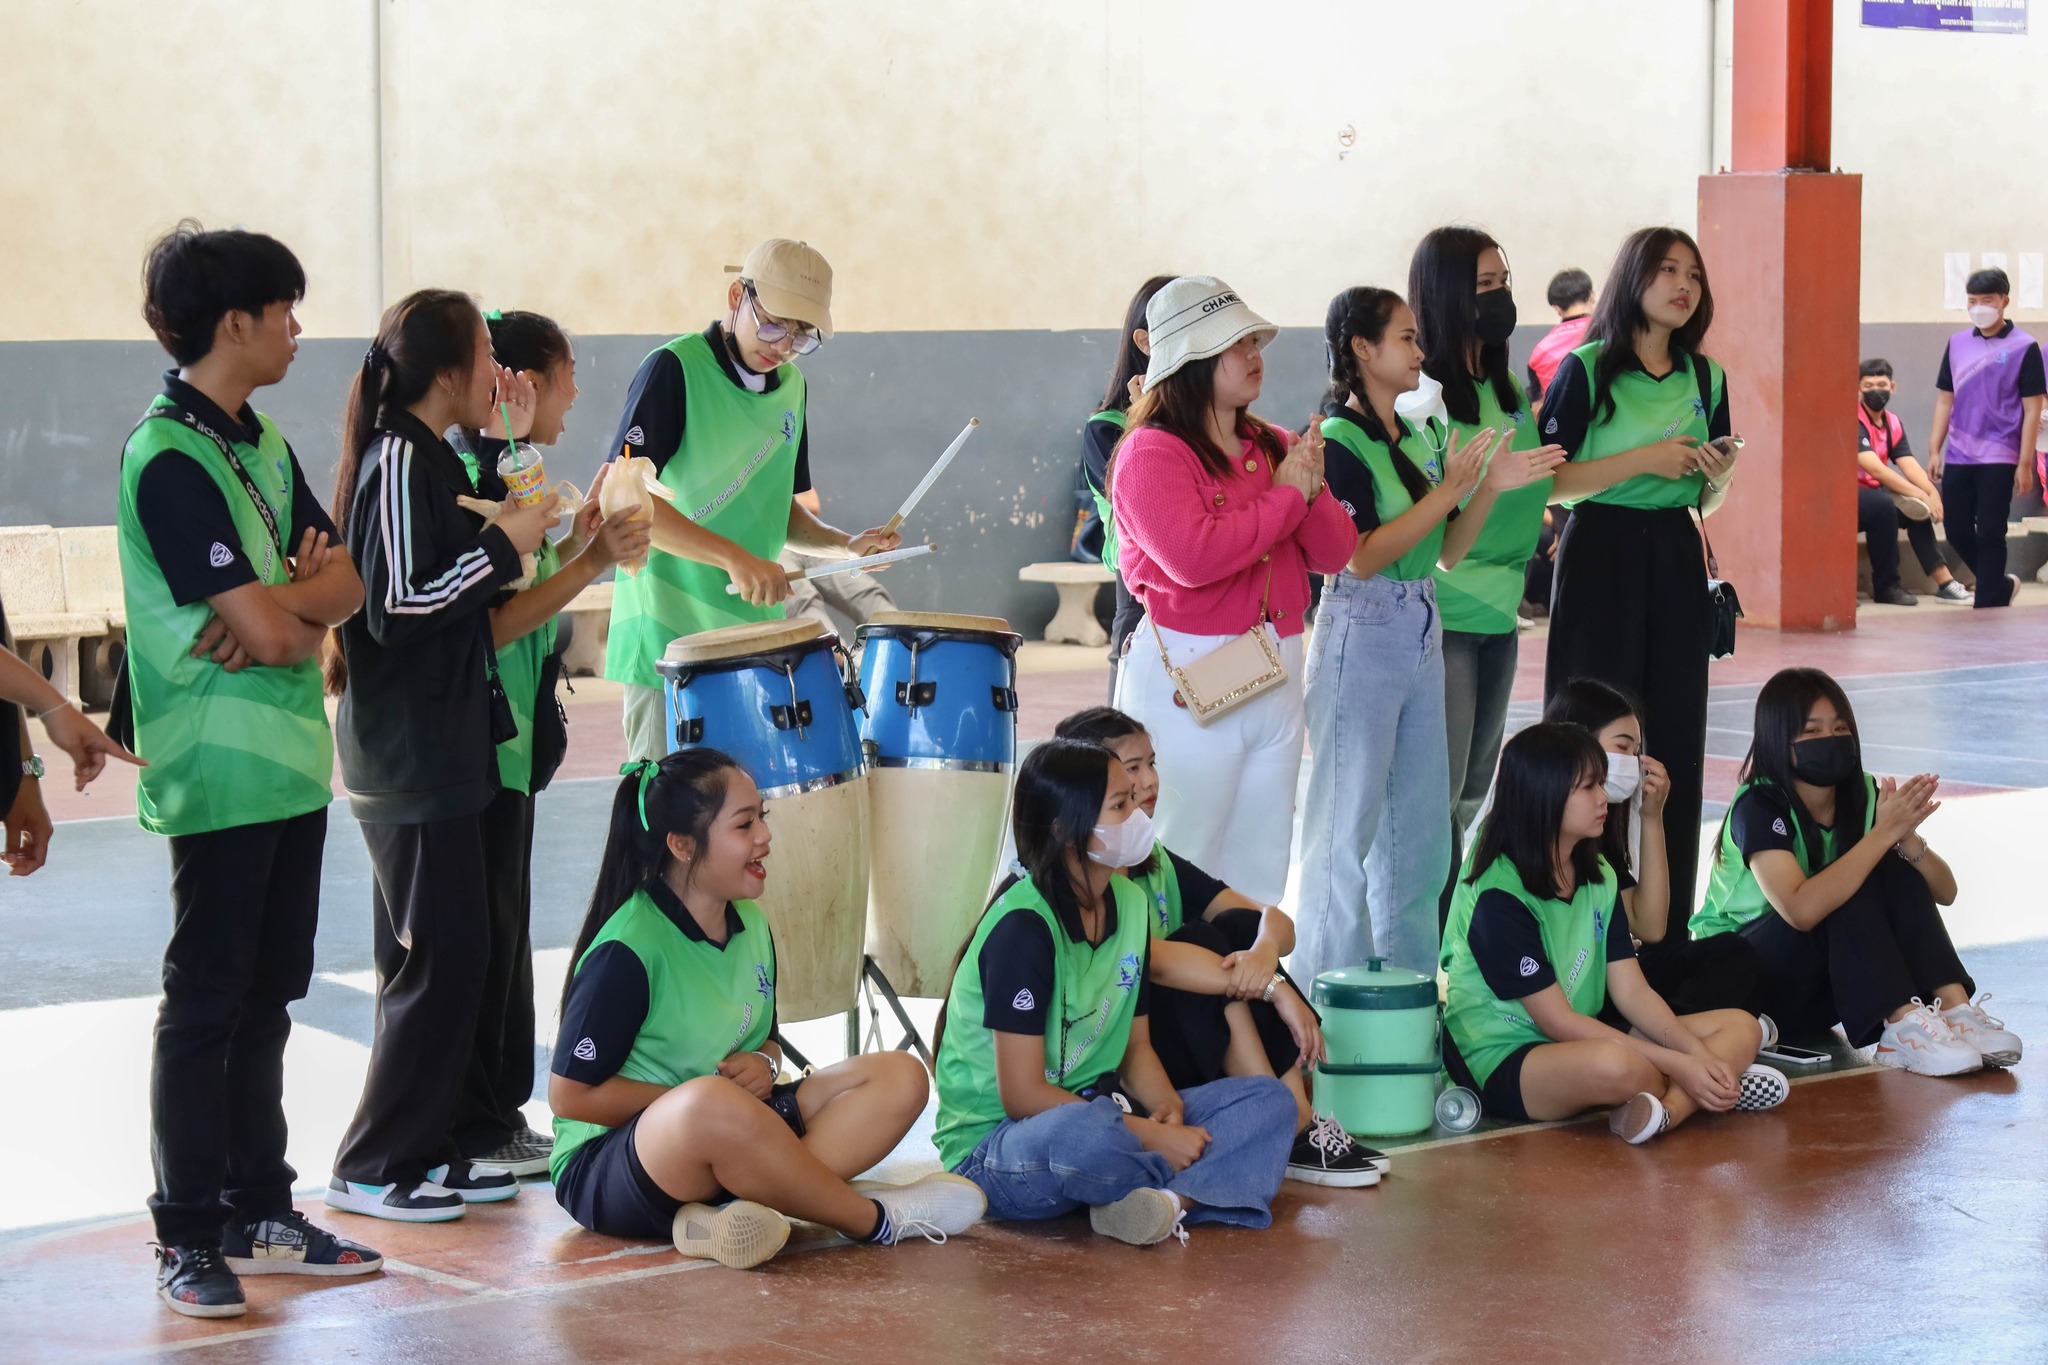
point(424, 1202)
point(476, 1182)
point(290, 1245)
point(524, 1153)
point(195, 1281)
point(1897, 597)
point(1324, 1154)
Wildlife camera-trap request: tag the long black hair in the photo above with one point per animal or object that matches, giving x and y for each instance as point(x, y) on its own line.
point(1130, 361)
point(684, 795)
point(1363, 312)
point(1781, 711)
point(1539, 770)
point(1179, 405)
point(1618, 318)
point(1104, 725)
point(421, 337)
point(1592, 705)
point(1443, 288)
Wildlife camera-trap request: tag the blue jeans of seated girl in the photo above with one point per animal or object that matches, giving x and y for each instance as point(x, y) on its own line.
point(1376, 827)
point(1080, 1155)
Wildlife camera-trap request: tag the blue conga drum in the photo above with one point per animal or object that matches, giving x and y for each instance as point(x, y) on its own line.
point(940, 734)
point(772, 694)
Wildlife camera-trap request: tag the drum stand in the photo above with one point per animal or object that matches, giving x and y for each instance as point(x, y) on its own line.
point(873, 979)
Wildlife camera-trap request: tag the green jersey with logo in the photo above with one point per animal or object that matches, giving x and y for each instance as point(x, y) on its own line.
point(1487, 1028)
point(1647, 411)
point(1161, 889)
point(1110, 543)
point(1481, 594)
point(519, 666)
point(704, 1002)
point(223, 748)
point(735, 474)
point(1094, 1000)
point(1425, 447)
point(1734, 897)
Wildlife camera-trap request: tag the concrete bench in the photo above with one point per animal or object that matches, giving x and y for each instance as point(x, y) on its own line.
point(47, 630)
point(92, 583)
point(590, 625)
point(1078, 584)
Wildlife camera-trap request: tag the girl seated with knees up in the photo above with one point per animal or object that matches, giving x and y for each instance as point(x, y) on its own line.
point(1723, 972)
point(1823, 870)
point(1536, 946)
point(1050, 1095)
point(1221, 1006)
point(665, 1089)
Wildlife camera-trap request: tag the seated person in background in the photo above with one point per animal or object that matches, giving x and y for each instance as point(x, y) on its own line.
point(855, 596)
point(1537, 944)
point(665, 1087)
point(1221, 1006)
point(1891, 488)
point(1723, 972)
point(1571, 295)
point(1050, 1095)
point(1822, 867)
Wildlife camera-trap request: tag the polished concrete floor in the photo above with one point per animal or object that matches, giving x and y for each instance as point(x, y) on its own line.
point(1876, 1217)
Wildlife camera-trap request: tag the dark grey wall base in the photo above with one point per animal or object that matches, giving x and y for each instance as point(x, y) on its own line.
point(883, 405)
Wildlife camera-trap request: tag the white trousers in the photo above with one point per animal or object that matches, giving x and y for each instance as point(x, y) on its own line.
point(1226, 790)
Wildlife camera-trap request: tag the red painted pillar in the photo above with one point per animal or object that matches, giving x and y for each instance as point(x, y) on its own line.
point(1782, 240)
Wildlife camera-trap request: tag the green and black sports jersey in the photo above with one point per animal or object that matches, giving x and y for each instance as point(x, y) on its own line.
point(1098, 479)
point(224, 749)
point(1094, 997)
point(1765, 816)
point(1646, 410)
point(1480, 596)
point(705, 1001)
point(735, 475)
point(1379, 496)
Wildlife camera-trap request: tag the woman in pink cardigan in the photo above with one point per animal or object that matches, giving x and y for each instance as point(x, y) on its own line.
point(1222, 519)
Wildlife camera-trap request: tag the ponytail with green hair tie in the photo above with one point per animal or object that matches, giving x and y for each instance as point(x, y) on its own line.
point(646, 768)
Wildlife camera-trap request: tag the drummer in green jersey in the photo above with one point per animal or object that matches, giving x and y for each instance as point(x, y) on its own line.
point(671, 1117)
point(1373, 868)
point(232, 573)
point(721, 414)
point(488, 1124)
point(1221, 1005)
point(1051, 1098)
point(1459, 286)
point(1099, 435)
point(1539, 961)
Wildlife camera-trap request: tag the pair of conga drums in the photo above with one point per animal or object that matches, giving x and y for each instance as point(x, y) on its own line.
point(886, 794)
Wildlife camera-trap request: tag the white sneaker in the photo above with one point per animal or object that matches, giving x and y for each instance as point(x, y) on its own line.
point(1921, 1041)
point(1142, 1218)
point(934, 1208)
point(1762, 1087)
point(741, 1234)
point(1770, 1028)
point(1998, 1045)
point(1641, 1119)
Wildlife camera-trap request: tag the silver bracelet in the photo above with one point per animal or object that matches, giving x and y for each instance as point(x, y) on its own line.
point(774, 1062)
point(1925, 849)
point(1271, 986)
point(53, 710)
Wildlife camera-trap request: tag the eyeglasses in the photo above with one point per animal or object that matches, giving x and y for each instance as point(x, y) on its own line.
point(801, 336)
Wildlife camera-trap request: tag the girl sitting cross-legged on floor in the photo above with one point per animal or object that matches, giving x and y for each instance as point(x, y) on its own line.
point(665, 1077)
point(1536, 945)
point(1050, 1095)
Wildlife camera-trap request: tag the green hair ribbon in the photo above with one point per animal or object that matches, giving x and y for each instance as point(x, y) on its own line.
point(646, 768)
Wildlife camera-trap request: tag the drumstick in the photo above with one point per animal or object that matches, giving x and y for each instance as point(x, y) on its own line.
point(852, 565)
point(931, 477)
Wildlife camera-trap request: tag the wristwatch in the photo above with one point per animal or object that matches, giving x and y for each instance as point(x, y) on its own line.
point(32, 766)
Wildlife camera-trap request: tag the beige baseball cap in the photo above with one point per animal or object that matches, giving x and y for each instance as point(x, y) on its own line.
point(792, 281)
point(1195, 317)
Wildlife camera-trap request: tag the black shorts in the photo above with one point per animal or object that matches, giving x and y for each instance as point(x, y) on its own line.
point(1501, 1096)
point(606, 1189)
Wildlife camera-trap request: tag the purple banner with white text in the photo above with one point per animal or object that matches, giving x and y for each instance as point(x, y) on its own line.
point(1948, 16)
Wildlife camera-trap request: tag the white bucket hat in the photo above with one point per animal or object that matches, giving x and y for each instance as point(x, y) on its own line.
point(1193, 318)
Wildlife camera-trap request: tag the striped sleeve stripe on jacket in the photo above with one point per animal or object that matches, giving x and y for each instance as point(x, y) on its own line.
point(394, 508)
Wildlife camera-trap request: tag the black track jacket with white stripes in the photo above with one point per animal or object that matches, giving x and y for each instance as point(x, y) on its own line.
point(414, 729)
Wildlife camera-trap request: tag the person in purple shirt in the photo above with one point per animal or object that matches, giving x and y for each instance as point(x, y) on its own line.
point(1985, 416)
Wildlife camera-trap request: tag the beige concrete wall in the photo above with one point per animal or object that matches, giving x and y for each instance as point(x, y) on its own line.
point(118, 117)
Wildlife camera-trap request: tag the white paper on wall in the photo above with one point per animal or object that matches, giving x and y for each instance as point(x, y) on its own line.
point(1955, 274)
point(1994, 260)
point(2030, 281)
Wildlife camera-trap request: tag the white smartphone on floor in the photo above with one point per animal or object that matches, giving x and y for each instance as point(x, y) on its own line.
point(1784, 1054)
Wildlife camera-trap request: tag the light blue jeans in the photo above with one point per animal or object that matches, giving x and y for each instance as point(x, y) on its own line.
point(1376, 827)
point(1080, 1155)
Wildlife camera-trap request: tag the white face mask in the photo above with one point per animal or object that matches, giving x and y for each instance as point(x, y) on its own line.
point(1126, 844)
point(1422, 402)
point(1624, 776)
point(1982, 315)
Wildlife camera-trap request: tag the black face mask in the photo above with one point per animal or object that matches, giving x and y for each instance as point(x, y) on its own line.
point(1875, 399)
point(1493, 316)
point(1825, 762)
